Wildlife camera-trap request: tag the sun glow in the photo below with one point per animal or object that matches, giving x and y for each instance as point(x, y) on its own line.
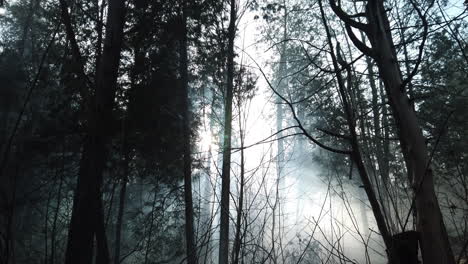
point(206, 140)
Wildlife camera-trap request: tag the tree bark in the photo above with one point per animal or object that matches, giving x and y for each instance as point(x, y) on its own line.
point(87, 217)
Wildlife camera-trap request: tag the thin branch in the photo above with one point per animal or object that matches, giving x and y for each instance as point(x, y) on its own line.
point(26, 101)
point(359, 44)
point(421, 46)
point(299, 124)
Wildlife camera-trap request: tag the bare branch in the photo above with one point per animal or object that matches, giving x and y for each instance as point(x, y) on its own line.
point(299, 124)
point(421, 46)
point(347, 18)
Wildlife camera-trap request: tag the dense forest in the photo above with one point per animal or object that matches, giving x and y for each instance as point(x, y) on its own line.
point(234, 131)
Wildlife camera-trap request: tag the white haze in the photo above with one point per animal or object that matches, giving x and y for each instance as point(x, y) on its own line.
point(315, 201)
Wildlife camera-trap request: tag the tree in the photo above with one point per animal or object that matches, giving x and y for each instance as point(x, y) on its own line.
point(226, 168)
point(189, 230)
point(87, 221)
point(356, 155)
point(434, 239)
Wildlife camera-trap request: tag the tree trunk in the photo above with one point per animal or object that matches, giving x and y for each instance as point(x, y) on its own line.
point(150, 229)
point(208, 215)
point(27, 27)
point(237, 239)
point(226, 167)
point(277, 206)
point(118, 228)
point(189, 230)
point(87, 217)
point(57, 208)
point(435, 246)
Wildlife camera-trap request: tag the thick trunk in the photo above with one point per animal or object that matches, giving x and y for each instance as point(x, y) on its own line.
point(87, 216)
point(435, 246)
point(406, 246)
point(189, 230)
point(85, 205)
point(226, 167)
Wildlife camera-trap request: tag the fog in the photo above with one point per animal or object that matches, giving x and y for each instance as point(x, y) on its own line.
point(320, 210)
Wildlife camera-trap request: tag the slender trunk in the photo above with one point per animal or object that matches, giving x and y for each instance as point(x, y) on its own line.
point(118, 228)
point(87, 219)
point(208, 209)
point(381, 142)
point(46, 226)
point(226, 167)
point(123, 189)
point(57, 210)
point(380, 155)
point(237, 239)
point(8, 198)
point(189, 230)
point(111, 203)
point(33, 8)
point(102, 250)
point(385, 134)
point(405, 52)
point(356, 155)
point(150, 231)
point(277, 209)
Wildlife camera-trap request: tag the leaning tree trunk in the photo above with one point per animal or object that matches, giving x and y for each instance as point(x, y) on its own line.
point(435, 246)
point(87, 216)
point(226, 167)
